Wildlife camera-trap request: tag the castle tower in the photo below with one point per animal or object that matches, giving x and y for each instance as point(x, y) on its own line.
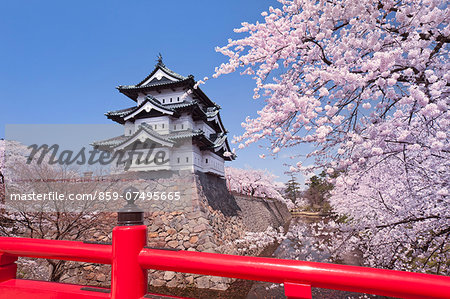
point(185, 126)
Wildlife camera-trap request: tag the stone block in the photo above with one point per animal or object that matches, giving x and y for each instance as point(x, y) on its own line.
point(172, 244)
point(189, 279)
point(200, 228)
point(158, 282)
point(153, 234)
point(168, 275)
point(202, 282)
point(101, 277)
point(173, 283)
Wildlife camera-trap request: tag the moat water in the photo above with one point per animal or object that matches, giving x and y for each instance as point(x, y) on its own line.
point(288, 249)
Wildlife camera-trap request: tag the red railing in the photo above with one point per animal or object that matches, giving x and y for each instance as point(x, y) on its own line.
point(130, 260)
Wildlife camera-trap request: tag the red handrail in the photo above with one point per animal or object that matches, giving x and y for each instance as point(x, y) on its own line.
point(322, 275)
point(57, 249)
point(129, 260)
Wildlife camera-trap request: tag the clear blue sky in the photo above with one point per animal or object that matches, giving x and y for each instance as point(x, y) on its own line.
point(61, 61)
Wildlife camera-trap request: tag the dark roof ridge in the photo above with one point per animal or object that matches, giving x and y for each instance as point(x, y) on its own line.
point(160, 65)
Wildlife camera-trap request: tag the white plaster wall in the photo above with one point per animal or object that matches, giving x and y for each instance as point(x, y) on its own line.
point(168, 96)
point(165, 96)
point(161, 124)
point(183, 156)
point(215, 163)
point(129, 128)
point(183, 123)
point(205, 127)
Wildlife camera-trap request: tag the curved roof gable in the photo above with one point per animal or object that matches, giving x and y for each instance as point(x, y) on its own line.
point(161, 74)
point(148, 104)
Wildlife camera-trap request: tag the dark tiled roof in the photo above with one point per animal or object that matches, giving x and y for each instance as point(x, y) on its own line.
point(119, 115)
point(155, 102)
point(111, 142)
point(160, 65)
point(160, 83)
point(121, 112)
point(219, 141)
point(149, 99)
point(182, 104)
point(185, 134)
point(132, 90)
point(147, 128)
point(212, 113)
point(155, 82)
point(171, 137)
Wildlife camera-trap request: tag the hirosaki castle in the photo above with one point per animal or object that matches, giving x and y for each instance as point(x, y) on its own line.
point(177, 118)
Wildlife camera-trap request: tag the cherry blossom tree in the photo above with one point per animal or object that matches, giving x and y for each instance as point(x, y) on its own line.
point(255, 182)
point(77, 220)
point(401, 223)
point(367, 83)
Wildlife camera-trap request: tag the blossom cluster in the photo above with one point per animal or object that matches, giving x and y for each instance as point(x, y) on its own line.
point(367, 83)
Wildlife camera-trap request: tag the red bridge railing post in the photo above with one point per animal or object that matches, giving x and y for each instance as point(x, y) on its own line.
point(8, 266)
point(128, 278)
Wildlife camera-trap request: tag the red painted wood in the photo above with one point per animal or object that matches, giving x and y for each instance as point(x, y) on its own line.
point(6, 259)
point(18, 288)
point(8, 272)
point(8, 268)
point(297, 290)
point(129, 260)
point(322, 275)
point(128, 278)
point(57, 249)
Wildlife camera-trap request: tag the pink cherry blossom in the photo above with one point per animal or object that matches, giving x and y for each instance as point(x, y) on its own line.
point(367, 84)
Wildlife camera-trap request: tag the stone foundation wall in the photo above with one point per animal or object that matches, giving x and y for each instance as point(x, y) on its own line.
point(259, 213)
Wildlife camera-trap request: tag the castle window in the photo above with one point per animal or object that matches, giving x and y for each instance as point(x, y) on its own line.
point(187, 159)
point(182, 127)
point(164, 101)
point(174, 127)
point(206, 160)
point(178, 99)
point(162, 126)
point(178, 160)
point(171, 100)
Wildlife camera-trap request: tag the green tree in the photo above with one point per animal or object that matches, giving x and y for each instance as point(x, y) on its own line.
point(318, 191)
point(292, 190)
